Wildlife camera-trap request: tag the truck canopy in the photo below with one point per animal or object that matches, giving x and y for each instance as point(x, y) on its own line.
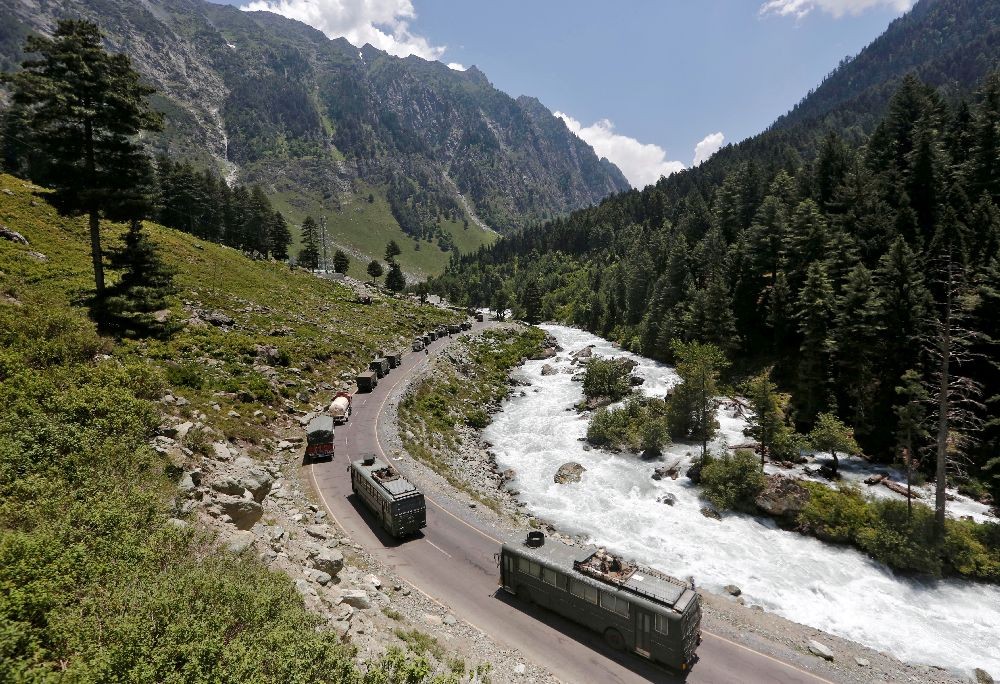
point(320, 429)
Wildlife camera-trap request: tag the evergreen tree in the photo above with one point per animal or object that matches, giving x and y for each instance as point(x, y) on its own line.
point(131, 305)
point(395, 281)
point(341, 262)
point(768, 424)
point(856, 337)
point(830, 434)
point(309, 254)
point(375, 270)
point(278, 236)
point(692, 405)
point(392, 251)
point(911, 427)
point(85, 108)
point(815, 316)
point(532, 303)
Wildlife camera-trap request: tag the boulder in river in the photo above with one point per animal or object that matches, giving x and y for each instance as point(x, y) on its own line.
point(732, 590)
point(982, 676)
point(569, 472)
point(668, 499)
point(710, 512)
point(584, 353)
point(782, 497)
point(548, 369)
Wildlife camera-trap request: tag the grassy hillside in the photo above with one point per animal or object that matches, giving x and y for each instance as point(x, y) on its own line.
point(363, 227)
point(95, 583)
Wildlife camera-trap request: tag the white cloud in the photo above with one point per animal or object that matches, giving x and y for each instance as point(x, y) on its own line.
point(708, 146)
point(385, 24)
point(642, 163)
point(836, 8)
point(456, 66)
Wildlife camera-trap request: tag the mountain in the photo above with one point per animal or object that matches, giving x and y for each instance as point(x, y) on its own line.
point(368, 139)
point(827, 248)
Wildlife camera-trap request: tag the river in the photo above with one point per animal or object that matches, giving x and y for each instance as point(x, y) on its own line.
point(951, 623)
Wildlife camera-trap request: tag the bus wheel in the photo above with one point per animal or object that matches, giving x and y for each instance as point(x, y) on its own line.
point(614, 639)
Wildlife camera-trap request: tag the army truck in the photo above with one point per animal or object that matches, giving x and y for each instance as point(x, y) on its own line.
point(418, 344)
point(340, 408)
point(442, 331)
point(395, 501)
point(432, 334)
point(319, 438)
point(367, 381)
point(395, 358)
point(454, 329)
point(426, 339)
point(380, 366)
point(480, 316)
point(466, 325)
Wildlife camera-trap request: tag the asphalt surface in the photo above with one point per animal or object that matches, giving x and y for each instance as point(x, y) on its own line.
point(452, 562)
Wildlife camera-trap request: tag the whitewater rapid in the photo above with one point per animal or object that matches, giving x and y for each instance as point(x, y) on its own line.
point(954, 624)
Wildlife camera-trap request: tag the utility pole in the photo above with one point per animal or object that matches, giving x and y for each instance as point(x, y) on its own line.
point(322, 231)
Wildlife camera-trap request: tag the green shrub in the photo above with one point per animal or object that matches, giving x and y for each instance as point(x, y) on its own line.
point(477, 419)
point(733, 481)
point(186, 374)
point(640, 425)
point(607, 379)
point(834, 515)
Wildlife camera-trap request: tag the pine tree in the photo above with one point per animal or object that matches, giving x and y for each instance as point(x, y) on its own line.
point(856, 336)
point(392, 251)
point(309, 254)
point(692, 405)
point(911, 427)
point(375, 270)
point(131, 305)
point(815, 317)
point(85, 108)
point(830, 434)
point(768, 423)
point(278, 236)
point(532, 303)
point(395, 281)
point(341, 262)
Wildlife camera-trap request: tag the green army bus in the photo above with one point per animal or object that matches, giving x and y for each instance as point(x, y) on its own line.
point(635, 608)
point(394, 500)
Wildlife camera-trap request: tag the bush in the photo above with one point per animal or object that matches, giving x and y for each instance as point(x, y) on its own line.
point(834, 515)
point(640, 425)
point(607, 379)
point(733, 481)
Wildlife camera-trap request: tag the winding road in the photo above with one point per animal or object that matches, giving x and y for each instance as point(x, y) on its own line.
point(452, 563)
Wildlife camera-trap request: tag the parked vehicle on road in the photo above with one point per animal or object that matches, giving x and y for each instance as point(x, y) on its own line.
point(454, 329)
point(367, 381)
point(395, 358)
point(319, 438)
point(395, 501)
point(418, 344)
point(432, 334)
point(466, 325)
point(636, 608)
point(340, 407)
point(480, 316)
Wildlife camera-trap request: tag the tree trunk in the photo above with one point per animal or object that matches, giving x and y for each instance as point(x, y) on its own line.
point(95, 253)
point(944, 341)
point(95, 224)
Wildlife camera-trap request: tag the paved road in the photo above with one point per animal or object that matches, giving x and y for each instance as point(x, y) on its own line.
point(452, 562)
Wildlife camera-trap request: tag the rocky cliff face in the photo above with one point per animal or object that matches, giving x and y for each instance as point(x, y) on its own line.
point(274, 101)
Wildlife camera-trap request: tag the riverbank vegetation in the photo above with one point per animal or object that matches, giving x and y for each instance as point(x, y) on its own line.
point(467, 383)
point(884, 529)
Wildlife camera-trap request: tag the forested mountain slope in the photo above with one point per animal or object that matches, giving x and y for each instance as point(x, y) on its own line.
point(837, 257)
point(324, 126)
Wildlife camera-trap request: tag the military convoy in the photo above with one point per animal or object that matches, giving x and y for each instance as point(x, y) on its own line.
point(367, 381)
point(395, 501)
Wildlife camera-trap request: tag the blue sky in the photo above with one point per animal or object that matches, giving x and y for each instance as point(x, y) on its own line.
point(644, 81)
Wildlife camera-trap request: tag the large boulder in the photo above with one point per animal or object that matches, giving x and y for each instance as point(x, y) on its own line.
point(569, 472)
point(357, 598)
point(12, 235)
point(244, 512)
point(548, 369)
point(328, 560)
point(782, 497)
